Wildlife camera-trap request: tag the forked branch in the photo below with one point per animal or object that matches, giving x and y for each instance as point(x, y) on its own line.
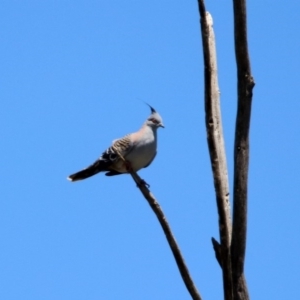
point(216, 148)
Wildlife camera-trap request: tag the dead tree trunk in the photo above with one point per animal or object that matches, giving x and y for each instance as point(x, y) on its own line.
point(230, 252)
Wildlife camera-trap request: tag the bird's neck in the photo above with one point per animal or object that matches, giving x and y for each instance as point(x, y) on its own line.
point(151, 129)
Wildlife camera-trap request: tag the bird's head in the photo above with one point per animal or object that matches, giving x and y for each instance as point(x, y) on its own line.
point(154, 120)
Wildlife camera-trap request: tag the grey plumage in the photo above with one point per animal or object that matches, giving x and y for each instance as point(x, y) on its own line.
point(138, 148)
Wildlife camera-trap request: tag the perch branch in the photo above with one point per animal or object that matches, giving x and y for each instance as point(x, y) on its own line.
point(241, 151)
point(216, 148)
point(167, 230)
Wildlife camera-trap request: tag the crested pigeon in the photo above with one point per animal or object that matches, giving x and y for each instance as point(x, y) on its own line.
point(138, 149)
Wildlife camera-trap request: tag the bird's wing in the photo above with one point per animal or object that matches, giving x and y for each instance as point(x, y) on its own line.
point(106, 161)
point(121, 146)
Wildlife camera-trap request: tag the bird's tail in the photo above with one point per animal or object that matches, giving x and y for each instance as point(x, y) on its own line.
point(93, 169)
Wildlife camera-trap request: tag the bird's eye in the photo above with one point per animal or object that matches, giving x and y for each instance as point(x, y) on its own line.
point(154, 121)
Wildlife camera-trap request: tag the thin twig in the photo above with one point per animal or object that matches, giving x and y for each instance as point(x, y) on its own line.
point(241, 151)
point(216, 148)
point(167, 230)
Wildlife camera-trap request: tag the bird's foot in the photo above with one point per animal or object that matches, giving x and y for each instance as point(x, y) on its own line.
point(143, 182)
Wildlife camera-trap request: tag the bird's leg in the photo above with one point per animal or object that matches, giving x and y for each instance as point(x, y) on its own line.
point(143, 182)
point(128, 166)
point(130, 170)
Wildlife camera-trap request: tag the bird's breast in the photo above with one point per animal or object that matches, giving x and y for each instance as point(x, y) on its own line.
point(142, 152)
point(142, 155)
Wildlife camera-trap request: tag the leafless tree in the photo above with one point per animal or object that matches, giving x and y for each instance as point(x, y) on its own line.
point(230, 251)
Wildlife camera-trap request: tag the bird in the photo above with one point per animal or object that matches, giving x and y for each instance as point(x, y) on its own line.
point(138, 149)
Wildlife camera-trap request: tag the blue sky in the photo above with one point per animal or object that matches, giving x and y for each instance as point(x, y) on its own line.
point(74, 75)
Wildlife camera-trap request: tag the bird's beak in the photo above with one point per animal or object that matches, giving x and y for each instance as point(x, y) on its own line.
point(161, 125)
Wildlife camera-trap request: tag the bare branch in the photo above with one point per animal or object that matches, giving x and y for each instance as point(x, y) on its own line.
point(218, 251)
point(168, 233)
point(170, 237)
point(241, 151)
point(216, 148)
